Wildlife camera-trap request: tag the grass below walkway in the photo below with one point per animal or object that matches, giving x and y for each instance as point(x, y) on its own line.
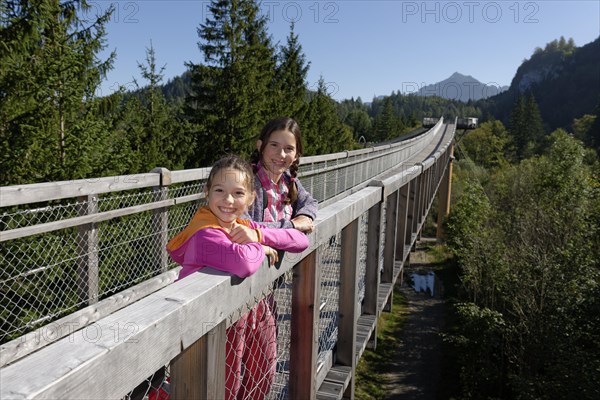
point(373, 367)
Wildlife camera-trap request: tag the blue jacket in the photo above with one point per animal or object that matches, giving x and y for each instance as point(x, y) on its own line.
point(304, 205)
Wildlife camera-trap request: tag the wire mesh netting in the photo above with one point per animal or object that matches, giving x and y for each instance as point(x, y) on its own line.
point(258, 345)
point(330, 259)
point(47, 276)
point(363, 225)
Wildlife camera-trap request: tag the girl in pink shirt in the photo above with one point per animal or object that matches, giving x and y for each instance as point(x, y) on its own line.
point(217, 237)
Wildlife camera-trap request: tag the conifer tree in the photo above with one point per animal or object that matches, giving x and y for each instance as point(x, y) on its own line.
point(518, 128)
point(50, 73)
point(232, 92)
point(526, 127)
point(535, 126)
point(291, 78)
point(323, 131)
point(160, 137)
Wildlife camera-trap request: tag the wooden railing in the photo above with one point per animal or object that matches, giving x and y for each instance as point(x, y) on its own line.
point(183, 323)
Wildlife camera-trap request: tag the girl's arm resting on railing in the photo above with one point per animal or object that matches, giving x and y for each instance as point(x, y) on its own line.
point(213, 248)
point(291, 240)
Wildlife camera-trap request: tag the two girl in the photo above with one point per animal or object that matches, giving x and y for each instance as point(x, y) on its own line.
point(272, 195)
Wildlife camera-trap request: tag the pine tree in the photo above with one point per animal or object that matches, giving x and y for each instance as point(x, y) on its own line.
point(526, 127)
point(535, 126)
point(160, 136)
point(291, 78)
point(323, 131)
point(232, 93)
point(387, 125)
point(518, 129)
point(50, 72)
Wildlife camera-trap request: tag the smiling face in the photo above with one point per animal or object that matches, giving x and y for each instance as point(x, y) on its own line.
point(229, 195)
point(279, 153)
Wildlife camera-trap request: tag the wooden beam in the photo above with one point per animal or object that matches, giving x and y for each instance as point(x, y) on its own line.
point(346, 346)
point(304, 328)
point(445, 195)
point(198, 372)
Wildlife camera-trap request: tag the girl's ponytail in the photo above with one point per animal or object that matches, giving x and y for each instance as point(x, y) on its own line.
point(293, 188)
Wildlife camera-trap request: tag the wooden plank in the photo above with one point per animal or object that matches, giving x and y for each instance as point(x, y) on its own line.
point(385, 289)
point(189, 175)
point(348, 301)
point(40, 192)
point(372, 274)
point(88, 278)
point(401, 221)
point(410, 216)
point(33, 341)
point(199, 371)
point(304, 328)
point(332, 219)
point(330, 391)
point(389, 248)
point(444, 196)
point(78, 221)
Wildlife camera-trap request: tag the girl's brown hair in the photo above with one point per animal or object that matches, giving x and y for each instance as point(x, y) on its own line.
point(281, 124)
point(232, 162)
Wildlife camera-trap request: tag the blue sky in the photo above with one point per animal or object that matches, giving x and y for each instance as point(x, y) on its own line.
point(363, 48)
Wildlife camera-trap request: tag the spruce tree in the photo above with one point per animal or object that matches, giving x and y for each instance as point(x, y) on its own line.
point(232, 92)
point(323, 131)
point(518, 129)
point(535, 126)
point(291, 78)
point(160, 136)
point(49, 74)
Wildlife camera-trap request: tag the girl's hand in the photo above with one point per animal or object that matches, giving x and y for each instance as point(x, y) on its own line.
point(271, 253)
point(242, 234)
point(303, 224)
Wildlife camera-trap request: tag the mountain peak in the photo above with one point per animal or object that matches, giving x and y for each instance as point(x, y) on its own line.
point(461, 87)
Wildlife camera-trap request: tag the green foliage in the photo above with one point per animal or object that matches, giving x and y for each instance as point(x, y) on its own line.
point(232, 93)
point(158, 131)
point(528, 246)
point(478, 343)
point(487, 145)
point(49, 129)
point(291, 78)
point(526, 127)
point(322, 131)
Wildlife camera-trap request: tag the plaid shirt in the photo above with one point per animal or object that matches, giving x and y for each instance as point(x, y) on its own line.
point(276, 195)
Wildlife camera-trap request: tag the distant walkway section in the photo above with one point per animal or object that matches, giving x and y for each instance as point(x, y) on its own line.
point(418, 358)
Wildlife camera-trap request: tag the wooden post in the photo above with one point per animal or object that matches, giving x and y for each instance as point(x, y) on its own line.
point(415, 207)
point(389, 248)
point(444, 195)
point(160, 219)
point(410, 216)
point(87, 248)
point(304, 328)
point(402, 222)
point(372, 275)
point(346, 350)
point(199, 371)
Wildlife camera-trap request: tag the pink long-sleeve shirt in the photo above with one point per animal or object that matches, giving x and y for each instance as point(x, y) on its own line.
point(212, 247)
